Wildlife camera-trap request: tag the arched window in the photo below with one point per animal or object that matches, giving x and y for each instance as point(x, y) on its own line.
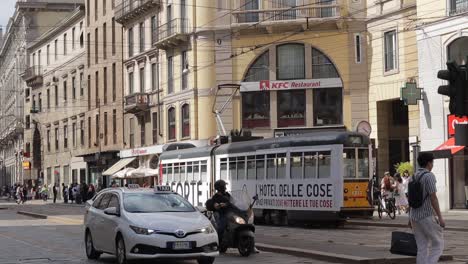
point(458, 50)
point(185, 121)
point(322, 67)
point(290, 62)
point(258, 71)
point(171, 123)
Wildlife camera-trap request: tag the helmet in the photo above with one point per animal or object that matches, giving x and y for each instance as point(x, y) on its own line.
point(220, 186)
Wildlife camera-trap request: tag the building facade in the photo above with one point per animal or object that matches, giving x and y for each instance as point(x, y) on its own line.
point(393, 62)
point(442, 36)
point(30, 20)
point(54, 102)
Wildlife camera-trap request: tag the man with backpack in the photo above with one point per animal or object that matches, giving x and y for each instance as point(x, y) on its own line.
point(424, 207)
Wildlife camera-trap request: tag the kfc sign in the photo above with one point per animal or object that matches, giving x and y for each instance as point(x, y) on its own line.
point(452, 120)
point(267, 85)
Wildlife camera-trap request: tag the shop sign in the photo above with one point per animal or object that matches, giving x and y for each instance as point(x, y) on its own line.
point(267, 85)
point(157, 149)
point(26, 165)
point(452, 120)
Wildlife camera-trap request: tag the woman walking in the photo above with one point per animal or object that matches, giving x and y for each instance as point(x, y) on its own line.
point(401, 200)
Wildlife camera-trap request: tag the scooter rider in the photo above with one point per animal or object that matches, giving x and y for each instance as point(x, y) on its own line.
point(220, 202)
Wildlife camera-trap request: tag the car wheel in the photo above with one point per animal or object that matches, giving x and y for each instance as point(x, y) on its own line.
point(91, 252)
point(120, 251)
point(207, 260)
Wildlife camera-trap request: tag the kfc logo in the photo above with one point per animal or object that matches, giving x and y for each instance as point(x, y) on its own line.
point(264, 85)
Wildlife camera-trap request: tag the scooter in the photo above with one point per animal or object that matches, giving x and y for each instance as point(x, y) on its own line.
point(240, 230)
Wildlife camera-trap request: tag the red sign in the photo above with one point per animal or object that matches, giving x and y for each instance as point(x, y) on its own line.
point(279, 85)
point(452, 120)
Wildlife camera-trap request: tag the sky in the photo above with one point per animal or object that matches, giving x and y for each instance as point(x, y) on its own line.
point(7, 7)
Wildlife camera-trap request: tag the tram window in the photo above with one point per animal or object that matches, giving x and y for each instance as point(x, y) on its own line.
point(176, 172)
point(169, 173)
point(281, 166)
point(182, 172)
point(251, 168)
point(204, 172)
point(363, 163)
point(271, 168)
point(296, 165)
point(241, 168)
point(196, 171)
point(223, 169)
point(189, 171)
point(349, 163)
point(260, 164)
point(310, 165)
point(232, 169)
point(324, 164)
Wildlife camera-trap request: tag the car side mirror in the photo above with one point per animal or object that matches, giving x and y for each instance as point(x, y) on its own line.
point(111, 211)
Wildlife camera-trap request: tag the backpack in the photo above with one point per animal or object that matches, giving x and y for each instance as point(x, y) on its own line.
point(416, 192)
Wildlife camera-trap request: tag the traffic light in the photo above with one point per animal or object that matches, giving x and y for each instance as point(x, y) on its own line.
point(456, 88)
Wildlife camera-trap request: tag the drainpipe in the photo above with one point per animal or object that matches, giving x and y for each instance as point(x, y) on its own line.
point(195, 68)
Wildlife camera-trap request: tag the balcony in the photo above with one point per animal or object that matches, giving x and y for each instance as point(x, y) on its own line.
point(33, 76)
point(137, 103)
point(130, 9)
point(284, 18)
point(458, 6)
point(172, 34)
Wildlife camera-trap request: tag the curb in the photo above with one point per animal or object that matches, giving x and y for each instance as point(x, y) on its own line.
point(357, 223)
point(35, 215)
point(338, 258)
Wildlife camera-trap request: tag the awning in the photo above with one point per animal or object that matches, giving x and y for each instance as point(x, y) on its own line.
point(143, 172)
point(122, 174)
point(446, 150)
point(118, 166)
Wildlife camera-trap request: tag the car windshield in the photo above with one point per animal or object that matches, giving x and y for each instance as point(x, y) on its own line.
point(155, 203)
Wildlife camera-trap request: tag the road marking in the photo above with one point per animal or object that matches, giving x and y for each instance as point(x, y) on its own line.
point(65, 220)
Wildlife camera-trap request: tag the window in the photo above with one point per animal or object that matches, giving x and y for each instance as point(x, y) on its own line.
point(456, 50)
point(65, 136)
point(74, 135)
point(290, 62)
point(39, 57)
point(184, 70)
point(98, 130)
point(114, 202)
point(154, 27)
point(223, 168)
point(34, 103)
point(390, 49)
point(114, 126)
point(65, 44)
point(240, 168)
point(113, 4)
point(114, 79)
point(48, 98)
point(65, 90)
point(259, 71)
point(73, 87)
point(458, 7)
point(171, 123)
point(251, 171)
point(324, 164)
point(82, 133)
point(88, 49)
point(48, 140)
point(89, 92)
point(357, 46)
point(89, 132)
point(310, 164)
point(96, 10)
point(130, 42)
point(28, 122)
point(113, 36)
point(66, 175)
point(81, 84)
point(132, 133)
point(56, 95)
point(56, 138)
point(73, 38)
point(255, 109)
point(260, 166)
point(56, 50)
point(250, 17)
point(48, 54)
point(170, 84)
point(142, 131)
point(142, 80)
point(105, 86)
point(328, 106)
point(39, 99)
point(104, 7)
point(96, 46)
point(349, 162)
point(271, 167)
point(130, 83)
point(105, 129)
point(96, 87)
point(322, 67)
point(185, 121)
point(155, 127)
point(142, 37)
point(154, 76)
point(104, 41)
point(296, 165)
point(291, 108)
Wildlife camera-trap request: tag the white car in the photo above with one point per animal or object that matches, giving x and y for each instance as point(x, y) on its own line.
point(143, 223)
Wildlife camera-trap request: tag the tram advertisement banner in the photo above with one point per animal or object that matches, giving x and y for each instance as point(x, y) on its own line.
point(196, 192)
point(310, 195)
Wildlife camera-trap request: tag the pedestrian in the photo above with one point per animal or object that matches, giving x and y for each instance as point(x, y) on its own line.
point(55, 192)
point(91, 191)
point(65, 194)
point(19, 193)
point(427, 227)
point(70, 193)
point(401, 201)
point(386, 187)
point(84, 192)
point(25, 194)
point(406, 178)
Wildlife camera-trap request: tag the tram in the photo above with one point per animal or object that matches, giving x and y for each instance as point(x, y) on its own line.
point(317, 176)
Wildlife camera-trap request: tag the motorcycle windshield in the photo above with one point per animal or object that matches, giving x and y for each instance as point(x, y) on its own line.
point(240, 199)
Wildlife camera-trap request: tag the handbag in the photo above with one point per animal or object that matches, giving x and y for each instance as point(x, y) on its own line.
point(403, 243)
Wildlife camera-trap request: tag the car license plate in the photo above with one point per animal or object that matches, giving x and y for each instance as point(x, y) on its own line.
point(181, 245)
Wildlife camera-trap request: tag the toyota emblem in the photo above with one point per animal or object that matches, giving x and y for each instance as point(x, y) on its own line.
point(180, 233)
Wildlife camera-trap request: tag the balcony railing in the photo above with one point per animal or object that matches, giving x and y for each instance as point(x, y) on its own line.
point(130, 9)
point(137, 103)
point(458, 7)
point(33, 76)
point(172, 33)
point(324, 10)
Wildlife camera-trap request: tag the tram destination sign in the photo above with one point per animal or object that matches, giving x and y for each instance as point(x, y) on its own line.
point(268, 85)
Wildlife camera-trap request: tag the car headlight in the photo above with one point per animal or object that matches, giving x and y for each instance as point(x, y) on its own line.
point(142, 231)
point(208, 230)
point(239, 220)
